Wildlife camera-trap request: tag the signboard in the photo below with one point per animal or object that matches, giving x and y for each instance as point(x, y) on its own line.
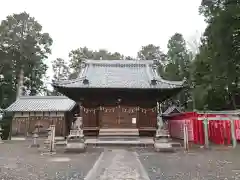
point(134, 120)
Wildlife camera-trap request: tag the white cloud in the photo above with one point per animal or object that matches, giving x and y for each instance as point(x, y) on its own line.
point(116, 25)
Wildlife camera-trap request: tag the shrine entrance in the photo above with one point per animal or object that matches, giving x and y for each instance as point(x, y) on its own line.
point(119, 117)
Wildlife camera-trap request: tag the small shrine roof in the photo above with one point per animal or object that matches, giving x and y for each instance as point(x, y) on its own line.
point(42, 104)
point(172, 109)
point(136, 74)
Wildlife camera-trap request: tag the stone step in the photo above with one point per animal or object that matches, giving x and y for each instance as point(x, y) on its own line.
point(176, 144)
point(118, 132)
point(119, 143)
point(118, 138)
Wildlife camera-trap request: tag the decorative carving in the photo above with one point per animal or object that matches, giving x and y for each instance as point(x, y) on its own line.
point(85, 81)
point(77, 126)
point(160, 122)
point(83, 64)
point(153, 82)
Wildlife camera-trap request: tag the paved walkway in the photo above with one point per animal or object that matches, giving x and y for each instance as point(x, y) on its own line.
point(118, 165)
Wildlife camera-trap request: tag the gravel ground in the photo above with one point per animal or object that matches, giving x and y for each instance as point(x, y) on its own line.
point(196, 165)
point(17, 161)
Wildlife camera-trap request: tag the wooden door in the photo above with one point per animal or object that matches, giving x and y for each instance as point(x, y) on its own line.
point(127, 117)
point(109, 118)
point(120, 117)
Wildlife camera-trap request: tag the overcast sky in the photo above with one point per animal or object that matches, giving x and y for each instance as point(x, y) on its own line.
point(116, 25)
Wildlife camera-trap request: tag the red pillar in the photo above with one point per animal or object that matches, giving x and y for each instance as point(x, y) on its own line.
point(228, 132)
point(201, 132)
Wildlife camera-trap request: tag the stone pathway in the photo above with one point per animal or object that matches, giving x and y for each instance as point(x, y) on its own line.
point(118, 165)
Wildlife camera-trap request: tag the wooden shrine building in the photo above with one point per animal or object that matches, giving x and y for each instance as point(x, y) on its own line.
point(118, 94)
point(39, 112)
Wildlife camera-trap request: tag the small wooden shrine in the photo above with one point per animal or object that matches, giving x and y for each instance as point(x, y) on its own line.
point(33, 113)
point(118, 94)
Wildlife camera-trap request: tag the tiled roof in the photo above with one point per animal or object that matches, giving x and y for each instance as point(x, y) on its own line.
point(41, 103)
point(171, 109)
point(119, 74)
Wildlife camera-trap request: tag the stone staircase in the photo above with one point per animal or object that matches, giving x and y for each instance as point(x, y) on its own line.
point(115, 134)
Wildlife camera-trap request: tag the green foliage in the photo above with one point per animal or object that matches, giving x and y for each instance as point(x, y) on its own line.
point(80, 54)
point(5, 124)
point(216, 68)
point(22, 45)
point(151, 52)
point(61, 69)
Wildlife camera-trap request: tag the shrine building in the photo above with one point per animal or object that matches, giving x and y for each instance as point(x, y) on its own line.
point(32, 113)
point(108, 95)
point(118, 94)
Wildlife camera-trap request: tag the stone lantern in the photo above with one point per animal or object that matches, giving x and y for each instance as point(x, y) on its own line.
point(35, 137)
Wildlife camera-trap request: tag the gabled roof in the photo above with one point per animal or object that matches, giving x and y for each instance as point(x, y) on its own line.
point(137, 74)
point(172, 109)
point(41, 103)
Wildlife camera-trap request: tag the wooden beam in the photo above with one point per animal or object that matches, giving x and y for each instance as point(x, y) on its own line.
point(230, 112)
point(217, 118)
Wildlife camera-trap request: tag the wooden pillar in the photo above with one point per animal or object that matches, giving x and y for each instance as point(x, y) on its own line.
point(26, 121)
point(234, 141)
point(205, 123)
point(28, 126)
point(62, 120)
point(66, 122)
point(98, 117)
point(10, 132)
point(138, 117)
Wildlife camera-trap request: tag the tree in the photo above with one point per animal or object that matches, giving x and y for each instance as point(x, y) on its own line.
point(151, 52)
point(104, 54)
point(61, 72)
point(177, 66)
point(25, 46)
point(7, 92)
point(217, 65)
point(77, 56)
point(177, 56)
point(81, 54)
point(60, 69)
point(129, 58)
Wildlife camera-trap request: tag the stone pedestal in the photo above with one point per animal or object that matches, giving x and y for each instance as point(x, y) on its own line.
point(75, 142)
point(162, 142)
